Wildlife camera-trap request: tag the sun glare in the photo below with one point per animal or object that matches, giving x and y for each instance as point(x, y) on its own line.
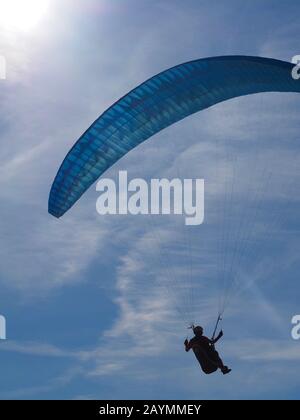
point(21, 15)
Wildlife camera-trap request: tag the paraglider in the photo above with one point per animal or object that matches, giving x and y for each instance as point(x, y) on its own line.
point(205, 352)
point(156, 104)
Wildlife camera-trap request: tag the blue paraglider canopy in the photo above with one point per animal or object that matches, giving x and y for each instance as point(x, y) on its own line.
point(156, 104)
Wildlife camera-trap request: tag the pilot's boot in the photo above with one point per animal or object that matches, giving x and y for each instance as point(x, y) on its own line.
point(225, 370)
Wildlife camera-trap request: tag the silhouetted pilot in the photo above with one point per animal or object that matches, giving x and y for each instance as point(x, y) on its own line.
point(205, 352)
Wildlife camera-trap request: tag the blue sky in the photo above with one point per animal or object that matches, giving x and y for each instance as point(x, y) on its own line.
point(87, 315)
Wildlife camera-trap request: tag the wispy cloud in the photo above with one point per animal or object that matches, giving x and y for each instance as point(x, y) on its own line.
point(58, 83)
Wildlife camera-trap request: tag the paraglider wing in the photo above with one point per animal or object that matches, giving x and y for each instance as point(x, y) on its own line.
point(156, 104)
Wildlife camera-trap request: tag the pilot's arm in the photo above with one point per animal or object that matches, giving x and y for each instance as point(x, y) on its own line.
point(187, 344)
point(217, 338)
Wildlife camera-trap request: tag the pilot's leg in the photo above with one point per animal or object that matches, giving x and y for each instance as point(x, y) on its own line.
point(220, 363)
point(218, 360)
